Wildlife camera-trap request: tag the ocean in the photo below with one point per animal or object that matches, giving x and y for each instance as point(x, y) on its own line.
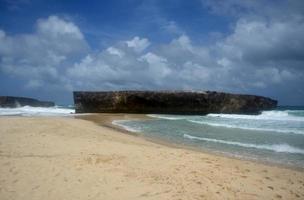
point(275, 136)
point(37, 111)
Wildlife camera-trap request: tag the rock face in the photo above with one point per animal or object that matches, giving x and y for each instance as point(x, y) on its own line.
point(170, 102)
point(13, 102)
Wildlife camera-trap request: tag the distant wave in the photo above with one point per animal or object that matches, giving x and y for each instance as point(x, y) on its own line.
point(247, 128)
point(265, 115)
point(299, 113)
point(128, 128)
point(271, 121)
point(36, 111)
point(281, 148)
point(286, 115)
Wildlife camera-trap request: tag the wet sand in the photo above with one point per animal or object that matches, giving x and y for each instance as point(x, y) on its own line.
point(67, 158)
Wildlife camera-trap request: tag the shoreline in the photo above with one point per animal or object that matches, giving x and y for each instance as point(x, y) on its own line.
point(106, 119)
point(67, 158)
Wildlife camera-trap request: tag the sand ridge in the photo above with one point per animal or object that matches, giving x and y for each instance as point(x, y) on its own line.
point(65, 158)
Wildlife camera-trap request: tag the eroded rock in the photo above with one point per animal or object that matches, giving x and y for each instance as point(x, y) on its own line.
point(170, 102)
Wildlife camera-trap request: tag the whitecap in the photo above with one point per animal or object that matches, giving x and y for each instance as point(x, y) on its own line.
point(280, 148)
point(265, 115)
point(36, 111)
point(248, 128)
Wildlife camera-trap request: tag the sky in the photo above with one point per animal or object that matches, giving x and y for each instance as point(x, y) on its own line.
point(48, 49)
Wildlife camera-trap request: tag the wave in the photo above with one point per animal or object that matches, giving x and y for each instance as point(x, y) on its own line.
point(128, 128)
point(247, 128)
point(285, 115)
point(36, 111)
point(265, 115)
point(270, 121)
point(168, 117)
point(299, 113)
point(280, 148)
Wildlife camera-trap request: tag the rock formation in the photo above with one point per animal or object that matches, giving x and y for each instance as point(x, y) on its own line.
point(170, 102)
point(13, 102)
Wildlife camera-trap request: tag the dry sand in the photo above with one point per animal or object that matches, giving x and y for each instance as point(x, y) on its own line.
point(65, 158)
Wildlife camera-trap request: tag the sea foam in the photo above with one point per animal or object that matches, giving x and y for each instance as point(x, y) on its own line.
point(227, 125)
point(168, 117)
point(281, 148)
point(265, 115)
point(128, 128)
point(36, 111)
point(287, 121)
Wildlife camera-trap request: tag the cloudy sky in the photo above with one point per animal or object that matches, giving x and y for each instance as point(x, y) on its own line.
point(50, 48)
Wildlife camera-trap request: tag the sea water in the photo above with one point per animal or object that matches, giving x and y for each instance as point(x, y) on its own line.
point(37, 111)
point(275, 136)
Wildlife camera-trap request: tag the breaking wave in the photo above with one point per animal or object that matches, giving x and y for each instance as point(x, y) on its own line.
point(286, 115)
point(36, 111)
point(285, 121)
point(281, 148)
point(281, 130)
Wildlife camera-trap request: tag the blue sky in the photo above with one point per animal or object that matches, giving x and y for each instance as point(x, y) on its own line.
point(50, 48)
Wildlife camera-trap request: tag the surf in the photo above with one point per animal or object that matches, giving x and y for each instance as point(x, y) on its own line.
point(280, 121)
point(265, 115)
point(36, 111)
point(121, 124)
point(280, 148)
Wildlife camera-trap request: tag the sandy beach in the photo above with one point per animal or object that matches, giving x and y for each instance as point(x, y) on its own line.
point(67, 158)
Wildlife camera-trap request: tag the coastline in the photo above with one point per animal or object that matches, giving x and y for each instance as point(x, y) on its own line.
point(106, 119)
point(66, 158)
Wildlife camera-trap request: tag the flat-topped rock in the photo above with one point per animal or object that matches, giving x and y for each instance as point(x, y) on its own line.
point(170, 102)
point(13, 102)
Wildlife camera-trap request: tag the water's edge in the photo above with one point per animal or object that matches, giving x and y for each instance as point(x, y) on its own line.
point(106, 120)
point(181, 134)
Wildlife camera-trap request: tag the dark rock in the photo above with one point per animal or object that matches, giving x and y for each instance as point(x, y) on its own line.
point(170, 102)
point(13, 102)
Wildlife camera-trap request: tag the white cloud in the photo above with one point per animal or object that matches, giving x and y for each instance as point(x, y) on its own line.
point(157, 65)
point(173, 28)
point(138, 44)
point(224, 62)
point(184, 42)
point(115, 51)
point(2, 34)
point(274, 75)
point(40, 57)
point(193, 72)
point(258, 54)
point(118, 67)
point(265, 50)
point(261, 41)
point(54, 27)
point(177, 65)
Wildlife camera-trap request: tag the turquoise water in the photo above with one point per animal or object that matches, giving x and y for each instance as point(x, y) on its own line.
point(275, 136)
